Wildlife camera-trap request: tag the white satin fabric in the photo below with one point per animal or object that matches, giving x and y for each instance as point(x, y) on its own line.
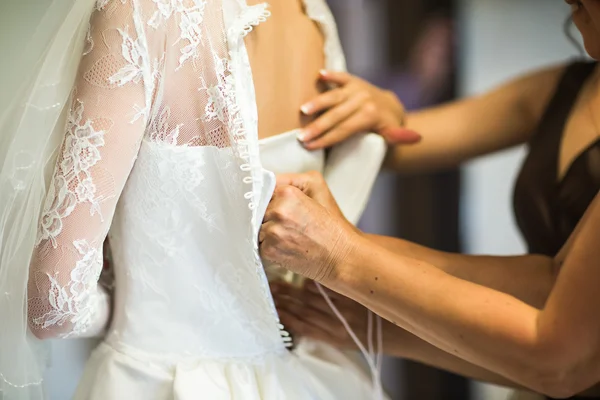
point(191, 320)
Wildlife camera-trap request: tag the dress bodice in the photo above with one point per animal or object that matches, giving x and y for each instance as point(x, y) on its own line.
point(181, 290)
point(284, 154)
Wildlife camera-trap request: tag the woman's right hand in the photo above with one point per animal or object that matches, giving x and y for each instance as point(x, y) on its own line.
point(353, 106)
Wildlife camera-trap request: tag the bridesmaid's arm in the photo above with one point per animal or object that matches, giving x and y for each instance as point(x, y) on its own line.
point(439, 137)
point(554, 350)
point(527, 277)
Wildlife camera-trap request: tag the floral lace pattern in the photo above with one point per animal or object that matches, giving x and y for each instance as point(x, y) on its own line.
point(89, 43)
point(191, 19)
point(132, 53)
point(73, 182)
point(161, 131)
point(77, 302)
point(219, 95)
point(102, 4)
point(190, 15)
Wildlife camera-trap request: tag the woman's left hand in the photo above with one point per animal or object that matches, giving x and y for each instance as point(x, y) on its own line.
point(300, 233)
point(353, 106)
point(305, 313)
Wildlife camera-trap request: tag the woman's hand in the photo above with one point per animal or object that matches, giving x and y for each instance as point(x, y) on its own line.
point(305, 313)
point(314, 186)
point(353, 106)
point(303, 229)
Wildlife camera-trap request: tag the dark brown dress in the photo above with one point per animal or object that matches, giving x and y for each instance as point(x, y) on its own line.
point(546, 209)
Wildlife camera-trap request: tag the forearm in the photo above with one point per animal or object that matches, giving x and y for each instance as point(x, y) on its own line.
point(502, 337)
point(100, 317)
point(528, 278)
point(403, 344)
point(398, 342)
point(454, 133)
point(92, 315)
point(461, 130)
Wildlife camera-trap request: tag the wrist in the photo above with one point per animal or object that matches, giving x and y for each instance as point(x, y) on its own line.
point(348, 259)
point(396, 107)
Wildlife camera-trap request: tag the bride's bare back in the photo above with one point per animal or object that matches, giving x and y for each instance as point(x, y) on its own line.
point(286, 54)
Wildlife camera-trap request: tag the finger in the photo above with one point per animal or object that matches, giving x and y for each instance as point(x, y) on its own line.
point(400, 136)
point(337, 77)
point(356, 123)
point(332, 118)
point(306, 299)
point(325, 101)
point(279, 287)
point(347, 307)
point(310, 307)
point(303, 299)
point(311, 184)
point(285, 300)
point(265, 228)
point(299, 181)
point(298, 327)
point(315, 318)
point(280, 202)
point(294, 325)
point(283, 291)
point(272, 212)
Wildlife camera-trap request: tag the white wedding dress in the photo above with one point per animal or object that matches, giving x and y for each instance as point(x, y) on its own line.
point(161, 149)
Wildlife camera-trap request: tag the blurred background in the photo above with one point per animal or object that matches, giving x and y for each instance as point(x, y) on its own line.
point(427, 51)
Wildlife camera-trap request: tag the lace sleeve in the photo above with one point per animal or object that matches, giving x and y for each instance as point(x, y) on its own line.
point(104, 129)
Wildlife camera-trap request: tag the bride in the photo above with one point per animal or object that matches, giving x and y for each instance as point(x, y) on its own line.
point(143, 125)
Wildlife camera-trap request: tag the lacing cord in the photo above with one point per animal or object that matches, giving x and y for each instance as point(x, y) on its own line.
point(373, 357)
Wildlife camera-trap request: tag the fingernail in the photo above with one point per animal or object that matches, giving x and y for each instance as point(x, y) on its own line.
point(323, 72)
point(402, 136)
point(308, 145)
point(301, 135)
point(306, 108)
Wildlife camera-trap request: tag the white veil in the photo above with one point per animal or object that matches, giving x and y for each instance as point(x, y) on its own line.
point(34, 93)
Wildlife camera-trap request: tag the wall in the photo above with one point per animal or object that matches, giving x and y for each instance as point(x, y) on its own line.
point(500, 39)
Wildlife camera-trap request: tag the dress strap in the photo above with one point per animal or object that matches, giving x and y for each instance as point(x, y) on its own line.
point(562, 102)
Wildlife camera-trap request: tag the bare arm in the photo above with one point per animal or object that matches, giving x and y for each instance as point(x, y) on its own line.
point(553, 350)
point(528, 277)
point(464, 129)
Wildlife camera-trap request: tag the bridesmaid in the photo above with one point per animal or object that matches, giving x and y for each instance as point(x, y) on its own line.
point(527, 321)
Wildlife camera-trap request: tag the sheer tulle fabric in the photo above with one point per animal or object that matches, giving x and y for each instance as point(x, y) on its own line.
point(31, 130)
